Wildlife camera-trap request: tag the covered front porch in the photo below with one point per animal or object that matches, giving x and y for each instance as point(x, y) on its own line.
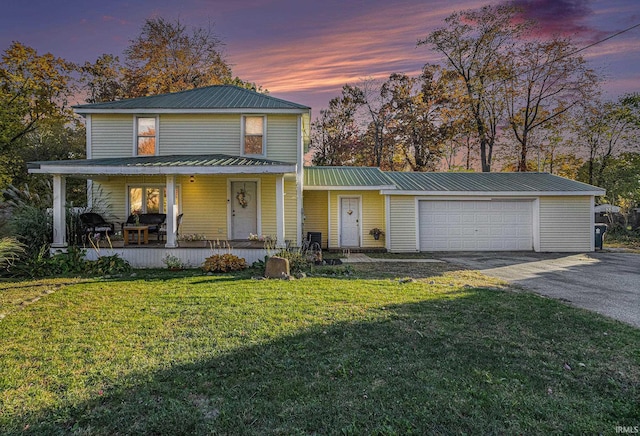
point(213, 197)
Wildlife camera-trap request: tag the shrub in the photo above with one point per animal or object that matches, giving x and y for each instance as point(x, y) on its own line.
point(107, 265)
point(173, 262)
point(224, 263)
point(298, 260)
point(10, 251)
point(71, 262)
point(32, 227)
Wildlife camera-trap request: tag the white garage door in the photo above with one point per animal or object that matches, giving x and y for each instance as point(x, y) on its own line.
point(476, 225)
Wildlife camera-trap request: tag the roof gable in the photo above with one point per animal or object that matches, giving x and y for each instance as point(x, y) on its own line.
point(209, 98)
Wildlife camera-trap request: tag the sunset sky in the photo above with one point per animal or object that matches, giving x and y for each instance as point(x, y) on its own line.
point(305, 51)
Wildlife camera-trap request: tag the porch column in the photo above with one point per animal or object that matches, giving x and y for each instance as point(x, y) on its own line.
point(172, 212)
point(280, 211)
point(59, 219)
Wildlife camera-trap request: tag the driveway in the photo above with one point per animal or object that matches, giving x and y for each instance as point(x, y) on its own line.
point(604, 282)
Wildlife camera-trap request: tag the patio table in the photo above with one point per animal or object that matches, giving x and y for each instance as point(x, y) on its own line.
point(142, 231)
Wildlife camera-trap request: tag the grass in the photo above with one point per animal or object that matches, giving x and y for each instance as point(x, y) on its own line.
point(355, 350)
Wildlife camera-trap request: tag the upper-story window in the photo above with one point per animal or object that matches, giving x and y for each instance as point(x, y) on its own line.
point(254, 135)
point(146, 136)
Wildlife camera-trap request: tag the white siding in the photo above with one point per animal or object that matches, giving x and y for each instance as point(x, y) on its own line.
point(193, 257)
point(565, 224)
point(282, 137)
point(199, 134)
point(111, 136)
point(402, 219)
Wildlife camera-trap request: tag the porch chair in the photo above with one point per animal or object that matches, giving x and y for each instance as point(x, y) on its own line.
point(94, 223)
point(162, 232)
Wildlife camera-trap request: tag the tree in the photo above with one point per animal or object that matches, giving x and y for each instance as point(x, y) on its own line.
point(166, 57)
point(546, 79)
point(605, 130)
point(375, 117)
point(34, 93)
point(475, 44)
point(335, 133)
point(104, 79)
point(416, 124)
point(33, 88)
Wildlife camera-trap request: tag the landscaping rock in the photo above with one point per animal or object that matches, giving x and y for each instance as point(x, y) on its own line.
point(277, 268)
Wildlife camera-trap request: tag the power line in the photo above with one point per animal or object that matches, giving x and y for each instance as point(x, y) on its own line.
point(570, 53)
point(604, 39)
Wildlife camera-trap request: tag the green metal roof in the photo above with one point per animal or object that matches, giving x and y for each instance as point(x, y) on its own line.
point(178, 164)
point(346, 177)
point(487, 182)
point(206, 98)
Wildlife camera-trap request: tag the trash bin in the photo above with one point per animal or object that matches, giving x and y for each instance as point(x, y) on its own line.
point(600, 230)
point(314, 238)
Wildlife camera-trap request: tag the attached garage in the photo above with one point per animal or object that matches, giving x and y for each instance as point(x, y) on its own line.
point(448, 211)
point(489, 212)
point(475, 225)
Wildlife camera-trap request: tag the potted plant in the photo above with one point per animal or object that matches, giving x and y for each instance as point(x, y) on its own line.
point(194, 240)
point(376, 233)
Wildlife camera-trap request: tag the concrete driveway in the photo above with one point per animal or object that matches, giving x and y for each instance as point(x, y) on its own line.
point(604, 282)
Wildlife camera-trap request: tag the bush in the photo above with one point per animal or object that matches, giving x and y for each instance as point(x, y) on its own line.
point(32, 227)
point(224, 263)
point(298, 260)
point(108, 265)
point(622, 234)
point(70, 263)
point(10, 251)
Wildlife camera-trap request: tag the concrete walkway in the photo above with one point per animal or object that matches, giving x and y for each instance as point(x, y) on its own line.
point(363, 258)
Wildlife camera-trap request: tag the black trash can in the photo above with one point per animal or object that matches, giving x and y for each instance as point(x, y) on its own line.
point(600, 230)
point(314, 238)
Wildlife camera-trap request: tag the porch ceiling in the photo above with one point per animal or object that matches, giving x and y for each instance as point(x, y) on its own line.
point(155, 165)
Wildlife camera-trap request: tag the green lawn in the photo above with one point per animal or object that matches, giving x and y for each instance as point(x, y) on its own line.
point(359, 353)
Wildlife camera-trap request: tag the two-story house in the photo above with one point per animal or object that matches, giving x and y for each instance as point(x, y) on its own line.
point(230, 161)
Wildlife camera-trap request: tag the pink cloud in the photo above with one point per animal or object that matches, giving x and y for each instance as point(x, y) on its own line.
point(109, 18)
point(371, 45)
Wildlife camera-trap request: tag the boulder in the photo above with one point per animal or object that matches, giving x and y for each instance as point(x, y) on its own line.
point(277, 268)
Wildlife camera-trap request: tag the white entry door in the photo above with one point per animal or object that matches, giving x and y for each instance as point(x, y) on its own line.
point(244, 209)
point(350, 222)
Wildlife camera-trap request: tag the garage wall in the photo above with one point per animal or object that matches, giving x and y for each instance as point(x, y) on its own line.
point(566, 224)
point(402, 223)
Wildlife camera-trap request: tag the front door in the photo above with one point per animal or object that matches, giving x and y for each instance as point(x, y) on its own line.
point(244, 209)
point(350, 222)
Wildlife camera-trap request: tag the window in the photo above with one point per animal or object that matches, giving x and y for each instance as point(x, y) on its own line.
point(145, 136)
point(149, 199)
point(254, 135)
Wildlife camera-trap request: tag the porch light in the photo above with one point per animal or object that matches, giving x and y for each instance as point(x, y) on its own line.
point(192, 179)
